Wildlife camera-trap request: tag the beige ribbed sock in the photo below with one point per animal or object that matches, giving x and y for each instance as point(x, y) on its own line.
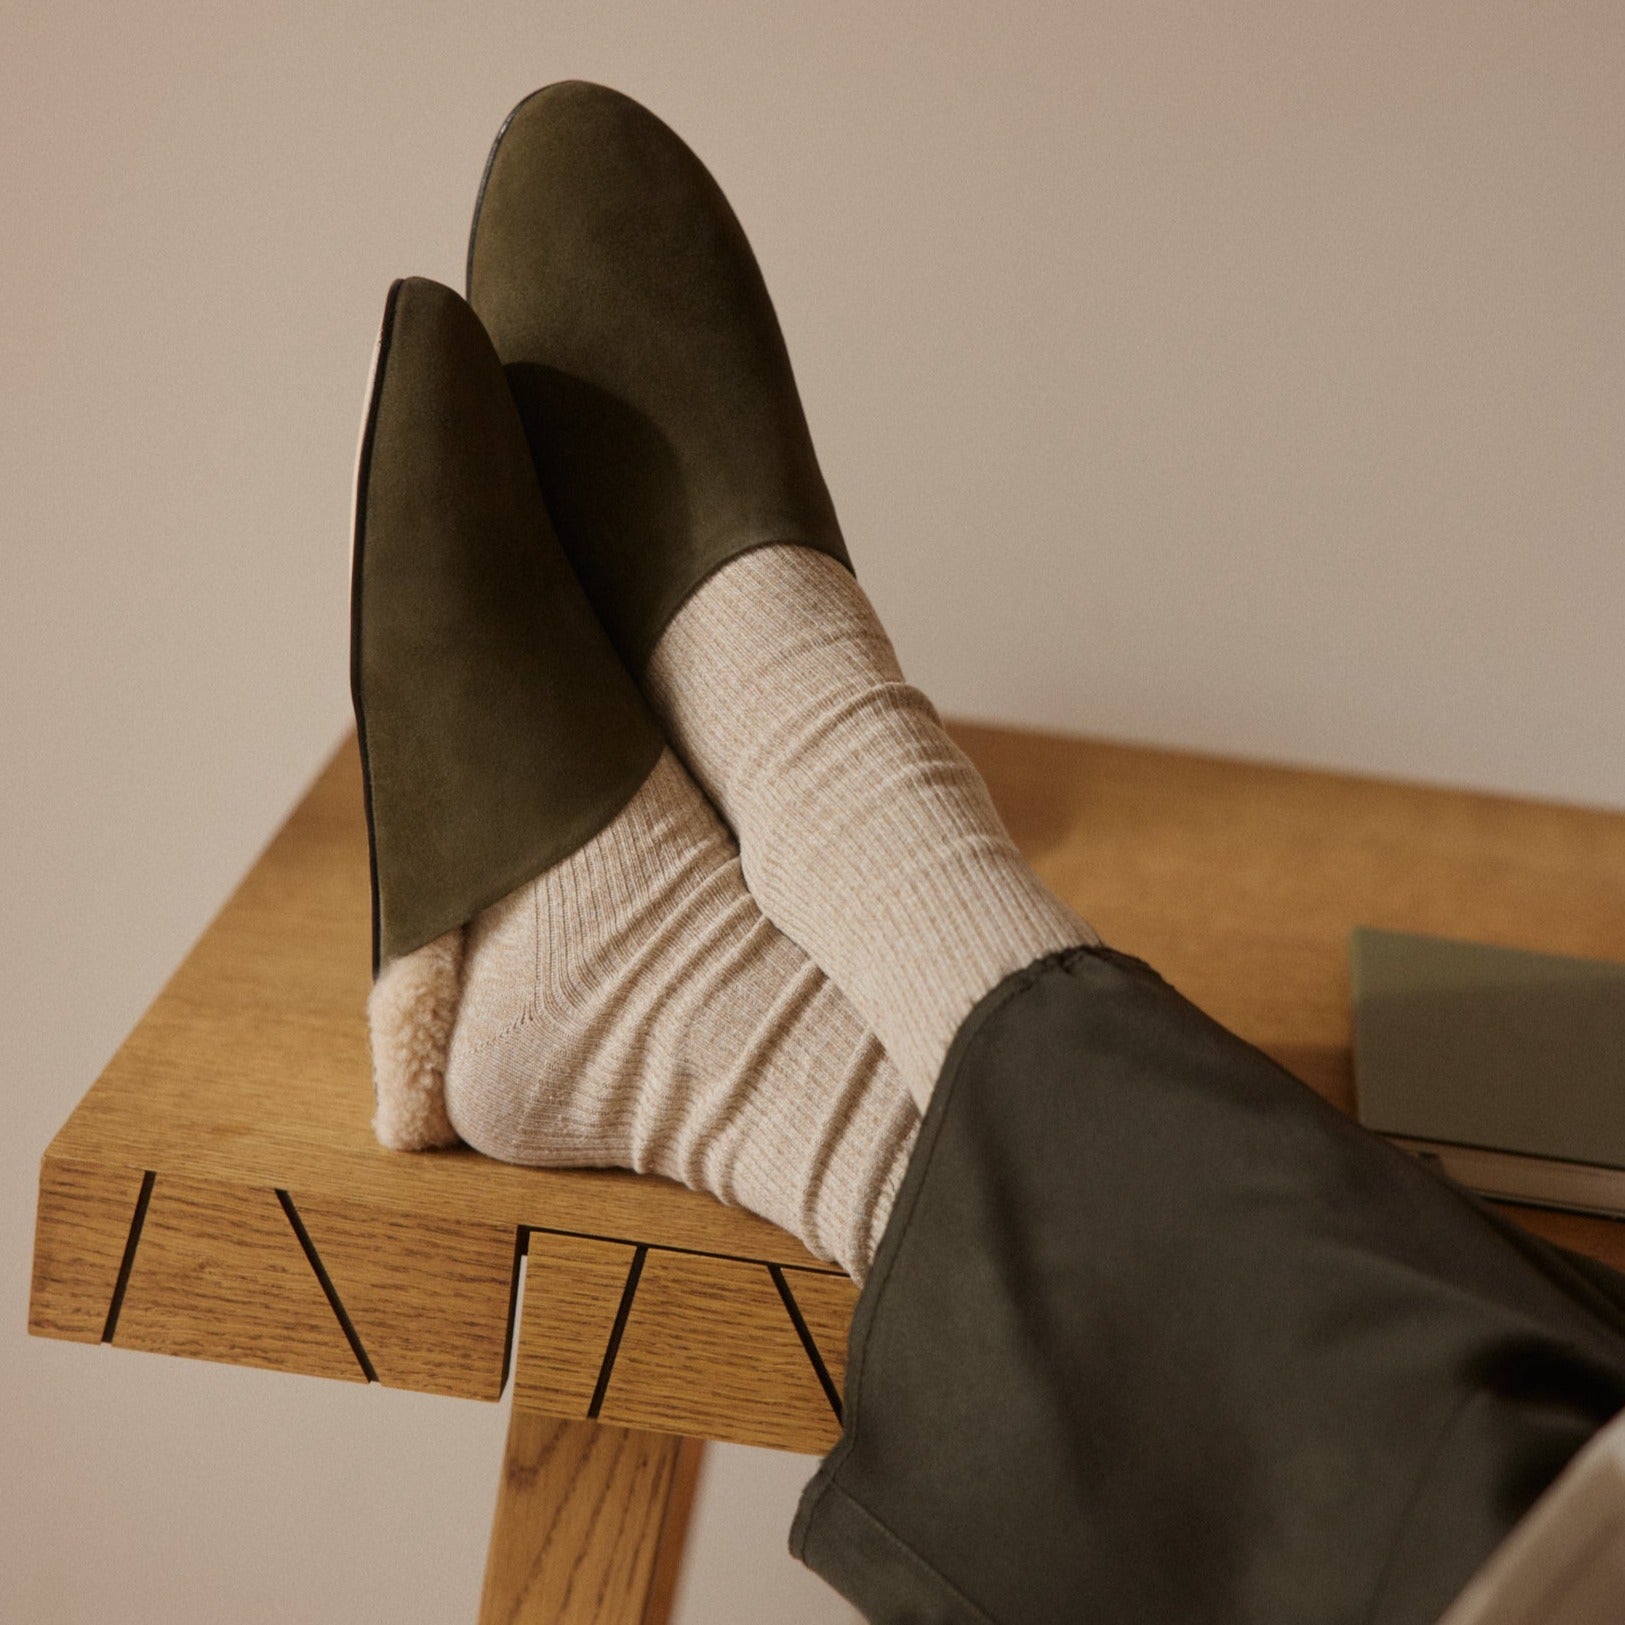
point(633, 1008)
point(865, 833)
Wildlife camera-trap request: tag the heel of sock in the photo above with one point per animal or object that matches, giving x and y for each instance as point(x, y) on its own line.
point(410, 1016)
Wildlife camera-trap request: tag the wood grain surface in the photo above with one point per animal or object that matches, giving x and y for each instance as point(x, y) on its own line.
point(429, 1300)
point(220, 1275)
point(674, 1532)
point(574, 1287)
point(81, 1230)
point(826, 1303)
point(1239, 882)
point(584, 1515)
point(710, 1349)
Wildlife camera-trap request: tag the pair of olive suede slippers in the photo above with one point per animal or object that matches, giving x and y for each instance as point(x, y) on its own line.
point(547, 470)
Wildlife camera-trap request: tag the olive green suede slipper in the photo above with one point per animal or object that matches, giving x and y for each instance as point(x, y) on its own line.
point(644, 355)
point(499, 730)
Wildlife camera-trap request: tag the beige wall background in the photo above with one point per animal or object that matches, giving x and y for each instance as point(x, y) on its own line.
point(1248, 377)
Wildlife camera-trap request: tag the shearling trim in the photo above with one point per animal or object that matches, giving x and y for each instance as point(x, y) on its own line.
point(410, 1015)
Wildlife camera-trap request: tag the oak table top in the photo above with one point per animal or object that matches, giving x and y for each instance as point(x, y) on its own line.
point(218, 1192)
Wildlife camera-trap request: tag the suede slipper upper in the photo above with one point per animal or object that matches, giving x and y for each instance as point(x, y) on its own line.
point(499, 730)
point(644, 354)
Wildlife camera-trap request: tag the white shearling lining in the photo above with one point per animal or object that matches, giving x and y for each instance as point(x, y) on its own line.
point(410, 1015)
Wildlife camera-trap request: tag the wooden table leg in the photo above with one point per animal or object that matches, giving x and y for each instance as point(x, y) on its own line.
point(589, 1525)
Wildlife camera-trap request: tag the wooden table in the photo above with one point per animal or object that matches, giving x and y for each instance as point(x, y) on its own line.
point(218, 1192)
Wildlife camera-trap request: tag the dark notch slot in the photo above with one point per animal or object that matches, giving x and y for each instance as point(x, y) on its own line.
point(672, 1247)
point(131, 1242)
point(614, 1347)
point(521, 1246)
point(327, 1285)
point(794, 1310)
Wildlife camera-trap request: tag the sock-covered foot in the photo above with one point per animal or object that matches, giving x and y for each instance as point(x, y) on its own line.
point(865, 833)
point(631, 1007)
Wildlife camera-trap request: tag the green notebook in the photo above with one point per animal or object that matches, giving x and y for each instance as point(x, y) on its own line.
point(1507, 1067)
